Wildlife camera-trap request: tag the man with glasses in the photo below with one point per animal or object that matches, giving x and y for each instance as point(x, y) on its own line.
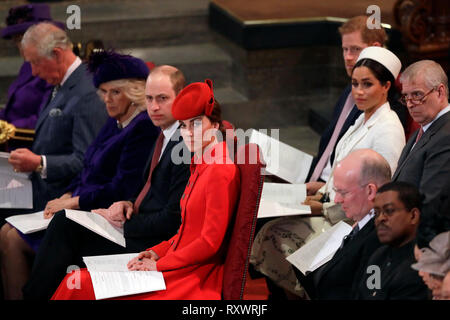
point(388, 274)
point(356, 181)
point(425, 159)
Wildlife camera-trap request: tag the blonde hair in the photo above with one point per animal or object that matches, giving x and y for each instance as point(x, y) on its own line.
point(133, 89)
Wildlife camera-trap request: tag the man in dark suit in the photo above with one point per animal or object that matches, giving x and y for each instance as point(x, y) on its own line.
point(425, 159)
point(69, 121)
point(388, 274)
point(153, 216)
point(356, 180)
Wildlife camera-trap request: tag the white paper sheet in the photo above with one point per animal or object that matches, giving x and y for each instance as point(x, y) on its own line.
point(96, 223)
point(29, 223)
point(111, 278)
point(111, 262)
point(282, 199)
point(16, 191)
point(281, 159)
point(321, 249)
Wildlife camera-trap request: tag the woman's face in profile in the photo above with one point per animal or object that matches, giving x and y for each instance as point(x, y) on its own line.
point(367, 90)
point(198, 133)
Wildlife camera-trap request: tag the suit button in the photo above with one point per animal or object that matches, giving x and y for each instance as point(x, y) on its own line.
point(182, 197)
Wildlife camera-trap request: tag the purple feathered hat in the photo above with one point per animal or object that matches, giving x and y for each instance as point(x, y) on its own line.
point(109, 65)
point(20, 18)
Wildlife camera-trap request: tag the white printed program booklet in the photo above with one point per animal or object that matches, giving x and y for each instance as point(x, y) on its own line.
point(282, 160)
point(30, 222)
point(282, 199)
point(321, 249)
point(111, 277)
point(16, 191)
point(96, 223)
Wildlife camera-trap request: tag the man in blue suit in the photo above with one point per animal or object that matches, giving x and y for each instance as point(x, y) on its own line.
point(69, 121)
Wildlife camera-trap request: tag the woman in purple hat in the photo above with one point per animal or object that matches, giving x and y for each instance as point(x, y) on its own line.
point(112, 164)
point(28, 93)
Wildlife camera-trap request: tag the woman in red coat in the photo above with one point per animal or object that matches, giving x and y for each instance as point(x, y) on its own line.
point(192, 260)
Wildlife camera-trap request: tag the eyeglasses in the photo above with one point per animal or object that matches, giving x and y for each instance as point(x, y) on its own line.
point(416, 97)
point(344, 193)
point(388, 212)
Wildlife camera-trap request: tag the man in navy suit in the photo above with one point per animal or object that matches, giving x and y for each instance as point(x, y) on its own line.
point(425, 159)
point(149, 218)
point(69, 121)
point(356, 181)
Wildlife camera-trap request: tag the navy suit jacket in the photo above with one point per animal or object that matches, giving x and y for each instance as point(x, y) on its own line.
point(114, 162)
point(326, 135)
point(427, 166)
point(159, 214)
point(336, 280)
point(66, 126)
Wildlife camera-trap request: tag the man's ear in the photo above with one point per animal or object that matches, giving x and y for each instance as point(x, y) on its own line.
point(372, 191)
point(415, 216)
point(57, 54)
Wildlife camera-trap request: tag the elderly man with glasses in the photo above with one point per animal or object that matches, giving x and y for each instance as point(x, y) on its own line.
point(356, 180)
point(425, 159)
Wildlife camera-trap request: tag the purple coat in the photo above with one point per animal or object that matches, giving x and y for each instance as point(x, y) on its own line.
point(26, 97)
point(114, 163)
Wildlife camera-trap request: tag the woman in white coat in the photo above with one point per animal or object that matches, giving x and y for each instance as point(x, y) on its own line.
point(377, 128)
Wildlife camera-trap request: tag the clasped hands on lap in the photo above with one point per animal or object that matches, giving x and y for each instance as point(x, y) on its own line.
point(145, 261)
point(313, 197)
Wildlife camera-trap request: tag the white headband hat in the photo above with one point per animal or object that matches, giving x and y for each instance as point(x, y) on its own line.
point(383, 56)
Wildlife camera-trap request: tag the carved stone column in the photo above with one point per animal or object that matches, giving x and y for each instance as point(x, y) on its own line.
point(425, 26)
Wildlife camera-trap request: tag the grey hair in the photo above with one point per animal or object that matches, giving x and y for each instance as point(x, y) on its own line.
point(432, 73)
point(45, 36)
point(134, 90)
point(375, 169)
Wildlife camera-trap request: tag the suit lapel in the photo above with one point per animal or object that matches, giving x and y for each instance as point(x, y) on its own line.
point(407, 152)
point(60, 98)
point(349, 247)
